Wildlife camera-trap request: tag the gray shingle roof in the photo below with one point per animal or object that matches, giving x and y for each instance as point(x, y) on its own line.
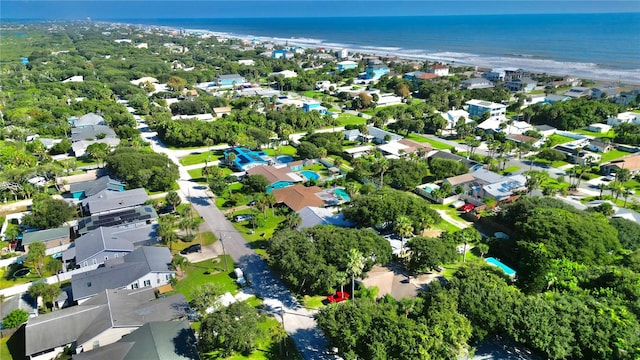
point(89, 119)
point(93, 187)
point(90, 132)
point(380, 134)
point(46, 235)
point(110, 239)
point(120, 272)
point(112, 200)
point(112, 308)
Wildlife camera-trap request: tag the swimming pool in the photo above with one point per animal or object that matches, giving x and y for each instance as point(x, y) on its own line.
point(342, 194)
point(311, 175)
point(495, 262)
point(285, 159)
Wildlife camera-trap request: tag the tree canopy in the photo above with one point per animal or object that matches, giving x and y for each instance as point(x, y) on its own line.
point(47, 212)
point(139, 168)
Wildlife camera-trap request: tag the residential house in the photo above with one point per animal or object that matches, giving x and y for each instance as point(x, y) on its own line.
point(439, 70)
point(137, 216)
point(388, 99)
point(346, 65)
point(278, 177)
point(246, 62)
point(282, 54)
point(51, 238)
point(471, 164)
point(380, 136)
point(404, 147)
point(312, 216)
point(76, 78)
point(308, 106)
point(553, 98)
point(358, 151)
point(606, 92)
point(375, 72)
point(419, 75)
point(81, 138)
point(201, 117)
point(84, 189)
point(476, 83)
point(599, 128)
point(109, 201)
point(545, 130)
point(506, 74)
point(147, 266)
point(479, 107)
point(627, 97)
point(519, 138)
point(467, 182)
point(577, 92)
point(156, 340)
point(629, 162)
point(452, 117)
point(221, 111)
point(576, 155)
point(144, 80)
point(351, 135)
point(98, 322)
point(230, 80)
point(624, 118)
point(297, 197)
point(598, 145)
point(504, 189)
point(104, 243)
point(522, 84)
point(285, 74)
point(90, 119)
point(246, 159)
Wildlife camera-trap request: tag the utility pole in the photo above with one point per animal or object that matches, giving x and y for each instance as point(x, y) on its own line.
point(224, 253)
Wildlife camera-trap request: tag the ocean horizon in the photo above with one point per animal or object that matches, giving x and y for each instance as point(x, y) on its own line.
point(594, 46)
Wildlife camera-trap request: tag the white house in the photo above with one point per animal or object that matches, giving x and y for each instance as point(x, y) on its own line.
point(625, 117)
point(439, 70)
point(479, 107)
point(285, 74)
point(246, 62)
point(453, 116)
point(77, 78)
point(599, 128)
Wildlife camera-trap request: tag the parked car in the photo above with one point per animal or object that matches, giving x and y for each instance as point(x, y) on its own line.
point(239, 218)
point(252, 203)
point(467, 207)
point(191, 249)
point(338, 297)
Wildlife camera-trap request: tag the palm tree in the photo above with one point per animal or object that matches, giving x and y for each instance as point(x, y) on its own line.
point(627, 192)
point(382, 165)
point(262, 204)
point(602, 187)
point(355, 266)
point(404, 228)
point(173, 199)
point(293, 220)
point(534, 179)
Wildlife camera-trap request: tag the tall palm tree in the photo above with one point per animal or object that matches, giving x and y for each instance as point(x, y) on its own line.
point(355, 266)
point(293, 220)
point(534, 179)
point(382, 165)
point(404, 228)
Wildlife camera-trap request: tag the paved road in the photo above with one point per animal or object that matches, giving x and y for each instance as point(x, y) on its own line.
point(298, 322)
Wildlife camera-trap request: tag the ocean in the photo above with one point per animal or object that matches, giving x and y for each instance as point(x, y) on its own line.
point(595, 46)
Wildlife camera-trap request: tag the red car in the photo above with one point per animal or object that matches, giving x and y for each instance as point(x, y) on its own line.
point(338, 297)
point(467, 207)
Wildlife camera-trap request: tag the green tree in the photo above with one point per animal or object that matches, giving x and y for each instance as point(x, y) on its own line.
point(98, 151)
point(206, 297)
point(355, 266)
point(426, 254)
point(176, 83)
point(231, 329)
point(47, 212)
point(256, 184)
point(173, 199)
point(15, 318)
point(48, 292)
point(36, 256)
point(404, 228)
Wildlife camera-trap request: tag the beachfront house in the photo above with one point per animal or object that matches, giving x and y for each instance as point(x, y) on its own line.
point(230, 80)
point(476, 83)
point(479, 107)
point(439, 70)
point(522, 84)
point(506, 74)
point(346, 65)
point(282, 54)
point(376, 71)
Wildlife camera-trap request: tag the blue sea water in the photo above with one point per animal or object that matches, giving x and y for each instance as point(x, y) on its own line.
point(600, 46)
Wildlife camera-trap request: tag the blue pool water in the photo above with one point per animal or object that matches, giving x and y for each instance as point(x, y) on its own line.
point(285, 159)
point(342, 194)
point(311, 175)
point(495, 262)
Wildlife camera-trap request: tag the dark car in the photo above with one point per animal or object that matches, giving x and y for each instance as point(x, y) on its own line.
point(191, 249)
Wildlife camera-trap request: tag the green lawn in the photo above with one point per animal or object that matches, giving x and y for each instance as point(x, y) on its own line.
point(205, 238)
point(282, 150)
point(207, 271)
point(556, 139)
point(313, 302)
point(511, 169)
point(4, 349)
point(350, 119)
point(199, 158)
point(266, 348)
point(174, 187)
point(258, 239)
point(613, 154)
point(436, 144)
point(196, 174)
point(609, 134)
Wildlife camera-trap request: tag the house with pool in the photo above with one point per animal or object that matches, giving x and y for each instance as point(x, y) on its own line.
point(279, 177)
point(244, 159)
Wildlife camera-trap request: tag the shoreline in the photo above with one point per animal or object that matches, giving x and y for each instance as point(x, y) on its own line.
point(530, 63)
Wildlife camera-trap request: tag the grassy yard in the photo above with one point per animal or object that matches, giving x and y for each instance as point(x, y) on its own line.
point(4, 349)
point(511, 169)
point(7, 280)
point(609, 134)
point(266, 347)
point(350, 119)
point(556, 139)
point(196, 174)
point(208, 271)
point(174, 187)
point(263, 229)
point(199, 158)
point(313, 302)
point(436, 144)
point(613, 154)
point(205, 238)
point(282, 150)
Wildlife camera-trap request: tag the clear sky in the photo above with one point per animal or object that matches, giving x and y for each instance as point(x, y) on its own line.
point(148, 9)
